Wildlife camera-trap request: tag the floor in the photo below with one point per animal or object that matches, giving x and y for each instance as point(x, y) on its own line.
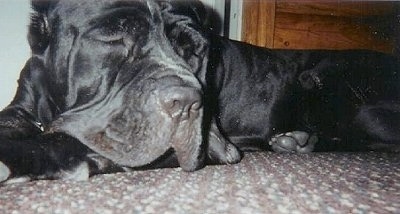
point(263, 182)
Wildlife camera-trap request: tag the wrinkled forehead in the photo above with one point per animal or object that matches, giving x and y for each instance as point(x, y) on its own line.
point(82, 12)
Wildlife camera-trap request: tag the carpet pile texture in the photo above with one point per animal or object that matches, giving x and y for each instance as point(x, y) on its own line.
point(262, 182)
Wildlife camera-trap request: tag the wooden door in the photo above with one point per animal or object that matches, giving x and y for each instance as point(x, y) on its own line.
point(314, 24)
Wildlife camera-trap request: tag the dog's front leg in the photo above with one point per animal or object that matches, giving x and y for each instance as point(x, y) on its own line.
point(27, 153)
point(49, 156)
point(53, 156)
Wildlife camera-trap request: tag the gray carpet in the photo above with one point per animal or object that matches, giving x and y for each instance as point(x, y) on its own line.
point(261, 183)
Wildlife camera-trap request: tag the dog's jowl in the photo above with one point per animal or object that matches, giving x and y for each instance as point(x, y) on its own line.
point(122, 85)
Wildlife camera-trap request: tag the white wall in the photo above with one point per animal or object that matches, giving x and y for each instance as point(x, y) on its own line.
point(235, 20)
point(14, 48)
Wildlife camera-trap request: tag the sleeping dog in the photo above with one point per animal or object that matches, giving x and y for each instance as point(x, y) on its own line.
point(121, 85)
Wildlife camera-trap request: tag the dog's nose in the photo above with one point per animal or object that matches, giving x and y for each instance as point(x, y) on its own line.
point(181, 102)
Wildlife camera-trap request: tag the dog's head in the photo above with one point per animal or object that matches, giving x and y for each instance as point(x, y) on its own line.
point(126, 76)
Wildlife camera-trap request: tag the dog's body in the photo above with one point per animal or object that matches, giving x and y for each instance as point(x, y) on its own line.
point(118, 85)
point(341, 96)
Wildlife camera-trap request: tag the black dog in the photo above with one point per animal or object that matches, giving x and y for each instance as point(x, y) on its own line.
point(119, 85)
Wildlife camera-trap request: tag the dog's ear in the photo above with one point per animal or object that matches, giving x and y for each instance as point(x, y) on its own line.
point(185, 28)
point(198, 12)
point(192, 8)
point(39, 32)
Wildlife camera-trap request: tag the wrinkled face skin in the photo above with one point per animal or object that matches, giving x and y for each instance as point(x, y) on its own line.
point(128, 76)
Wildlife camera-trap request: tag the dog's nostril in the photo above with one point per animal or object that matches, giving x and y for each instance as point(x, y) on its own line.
point(181, 102)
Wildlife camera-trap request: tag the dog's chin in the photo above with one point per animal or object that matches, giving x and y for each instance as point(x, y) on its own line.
point(159, 136)
point(139, 144)
point(129, 153)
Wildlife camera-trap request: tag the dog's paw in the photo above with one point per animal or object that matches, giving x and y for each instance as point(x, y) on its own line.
point(4, 172)
point(296, 141)
point(220, 150)
point(6, 178)
point(232, 154)
point(223, 153)
point(79, 173)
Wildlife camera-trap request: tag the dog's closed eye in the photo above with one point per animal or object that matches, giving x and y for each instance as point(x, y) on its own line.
point(108, 38)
